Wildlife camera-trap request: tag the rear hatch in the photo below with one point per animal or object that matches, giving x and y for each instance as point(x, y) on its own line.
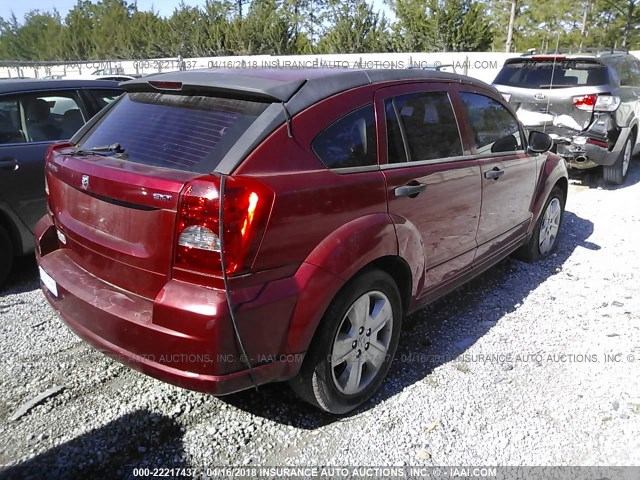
point(552, 93)
point(115, 195)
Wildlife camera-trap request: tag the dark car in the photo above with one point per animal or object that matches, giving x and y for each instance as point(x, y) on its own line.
point(219, 230)
point(33, 115)
point(588, 102)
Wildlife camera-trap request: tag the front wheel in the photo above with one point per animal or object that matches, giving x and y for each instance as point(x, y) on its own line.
point(617, 173)
point(355, 344)
point(544, 238)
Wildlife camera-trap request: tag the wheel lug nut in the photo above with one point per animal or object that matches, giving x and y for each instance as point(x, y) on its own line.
point(361, 330)
point(354, 344)
point(369, 333)
point(359, 354)
point(366, 346)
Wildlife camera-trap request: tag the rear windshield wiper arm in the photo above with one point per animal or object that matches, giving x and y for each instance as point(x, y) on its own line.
point(114, 147)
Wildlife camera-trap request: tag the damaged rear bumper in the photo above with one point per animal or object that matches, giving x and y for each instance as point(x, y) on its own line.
point(583, 151)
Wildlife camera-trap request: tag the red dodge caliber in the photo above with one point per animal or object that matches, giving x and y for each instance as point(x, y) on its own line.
point(223, 229)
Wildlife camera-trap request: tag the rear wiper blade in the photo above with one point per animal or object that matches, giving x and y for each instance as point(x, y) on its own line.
point(114, 147)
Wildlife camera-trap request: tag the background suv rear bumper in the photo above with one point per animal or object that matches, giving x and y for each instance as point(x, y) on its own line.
point(588, 155)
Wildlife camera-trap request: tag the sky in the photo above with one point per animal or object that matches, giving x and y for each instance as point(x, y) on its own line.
point(164, 7)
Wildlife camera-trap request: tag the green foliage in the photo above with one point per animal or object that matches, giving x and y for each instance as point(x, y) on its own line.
point(440, 25)
point(356, 29)
point(117, 29)
point(547, 24)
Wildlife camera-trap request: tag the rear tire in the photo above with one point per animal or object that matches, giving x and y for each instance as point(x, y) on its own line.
point(354, 346)
point(6, 254)
point(617, 173)
point(544, 238)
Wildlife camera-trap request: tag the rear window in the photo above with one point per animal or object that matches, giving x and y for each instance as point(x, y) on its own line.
point(550, 74)
point(191, 133)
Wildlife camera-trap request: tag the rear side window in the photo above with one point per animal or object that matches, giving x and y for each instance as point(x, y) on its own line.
point(191, 133)
point(629, 72)
point(104, 97)
point(429, 126)
point(552, 74)
point(350, 141)
point(495, 129)
point(40, 117)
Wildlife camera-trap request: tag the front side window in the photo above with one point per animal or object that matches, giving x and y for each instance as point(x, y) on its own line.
point(426, 123)
point(495, 129)
point(11, 127)
point(350, 141)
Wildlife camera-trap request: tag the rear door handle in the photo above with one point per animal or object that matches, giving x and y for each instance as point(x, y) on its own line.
point(494, 174)
point(410, 190)
point(8, 163)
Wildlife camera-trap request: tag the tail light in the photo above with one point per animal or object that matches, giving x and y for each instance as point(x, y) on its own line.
point(51, 151)
point(607, 103)
point(585, 102)
point(597, 103)
point(246, 207)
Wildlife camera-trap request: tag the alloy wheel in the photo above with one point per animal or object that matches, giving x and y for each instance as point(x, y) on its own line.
point(550, 226)
point(361, 344)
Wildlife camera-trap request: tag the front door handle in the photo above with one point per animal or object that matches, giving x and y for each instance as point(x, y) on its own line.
point(494, 174)
point(9, 163)
point(410, 190)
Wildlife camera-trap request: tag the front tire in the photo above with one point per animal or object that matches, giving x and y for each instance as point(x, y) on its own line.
point(617, 173)
point(544, 238)
point(354, 346)
point(6, 255)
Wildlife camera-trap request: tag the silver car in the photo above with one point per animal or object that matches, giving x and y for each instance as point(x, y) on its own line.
point(589, 103)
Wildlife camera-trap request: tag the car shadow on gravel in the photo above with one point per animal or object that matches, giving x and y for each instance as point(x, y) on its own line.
point(139, 438)
point(23, 277)
point(436, 334)
point(592, 178)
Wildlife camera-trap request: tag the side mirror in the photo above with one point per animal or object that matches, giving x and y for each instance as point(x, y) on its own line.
point(539, 142)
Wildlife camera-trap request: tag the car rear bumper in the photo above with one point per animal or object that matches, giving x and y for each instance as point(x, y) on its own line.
point(582, 154)
point(184, 336)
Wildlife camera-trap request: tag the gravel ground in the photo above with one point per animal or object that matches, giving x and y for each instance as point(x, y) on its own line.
point(529, 364)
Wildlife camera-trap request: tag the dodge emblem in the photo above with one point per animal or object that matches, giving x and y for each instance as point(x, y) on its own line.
point(85, 181)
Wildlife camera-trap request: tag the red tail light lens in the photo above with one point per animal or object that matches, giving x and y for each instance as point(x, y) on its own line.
point(54, 147)
point(585, 102)
point(246, 204)
point(51, 151)
point(557, 58)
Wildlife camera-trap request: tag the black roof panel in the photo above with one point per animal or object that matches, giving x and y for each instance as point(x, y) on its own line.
point(27, 85)
point(298, 88)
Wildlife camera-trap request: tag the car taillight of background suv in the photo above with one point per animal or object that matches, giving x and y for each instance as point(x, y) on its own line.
point(221, 230)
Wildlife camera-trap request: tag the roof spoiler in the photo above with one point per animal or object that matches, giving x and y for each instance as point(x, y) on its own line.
point(222, 84)
point(574, 50)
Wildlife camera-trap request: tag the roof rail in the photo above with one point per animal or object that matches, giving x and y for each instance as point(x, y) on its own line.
point(575, 50)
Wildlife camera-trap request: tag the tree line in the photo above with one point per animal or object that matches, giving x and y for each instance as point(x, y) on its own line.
point(117, 29)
